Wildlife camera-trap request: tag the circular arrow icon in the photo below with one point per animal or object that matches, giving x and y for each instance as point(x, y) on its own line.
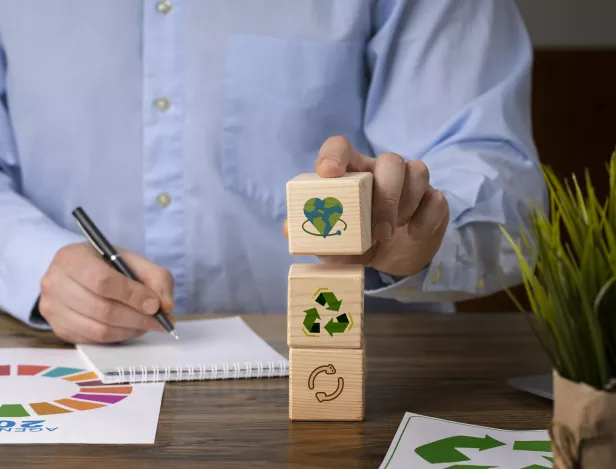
point(328, 370)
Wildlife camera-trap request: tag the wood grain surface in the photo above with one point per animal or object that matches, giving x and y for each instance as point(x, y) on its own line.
point(353, 191)
point(306, 283)
point(445, 366)
point(326, 384)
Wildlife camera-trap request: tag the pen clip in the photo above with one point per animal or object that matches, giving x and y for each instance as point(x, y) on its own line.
point(85, 233)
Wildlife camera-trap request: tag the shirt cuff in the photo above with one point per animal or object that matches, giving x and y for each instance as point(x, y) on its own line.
point(382, 285)
point(24, 260)
point(441, 280)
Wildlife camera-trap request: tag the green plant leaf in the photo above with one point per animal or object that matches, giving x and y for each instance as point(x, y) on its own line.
point(567, 261)
point(604, 305)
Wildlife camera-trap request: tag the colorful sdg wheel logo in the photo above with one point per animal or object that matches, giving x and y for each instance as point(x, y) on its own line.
point(324, 215)
point(90, 392)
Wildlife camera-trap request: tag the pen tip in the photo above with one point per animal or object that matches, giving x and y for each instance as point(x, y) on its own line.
point(175, 335)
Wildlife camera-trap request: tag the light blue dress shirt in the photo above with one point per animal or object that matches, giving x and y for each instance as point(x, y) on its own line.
point(177, 124)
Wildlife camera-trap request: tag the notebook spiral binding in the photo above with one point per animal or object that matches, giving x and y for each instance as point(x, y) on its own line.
point(201, 372)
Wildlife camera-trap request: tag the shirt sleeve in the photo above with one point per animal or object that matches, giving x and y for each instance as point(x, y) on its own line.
point(450, 85)
point(28, 239)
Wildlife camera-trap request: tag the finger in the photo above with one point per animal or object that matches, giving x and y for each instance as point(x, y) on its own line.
point(389, 175)
point(109, 312)
point(101, 279)
point(431, 217)
point(154, 276)
point(416, 183)
point(285, 229)
point(363, 259)
point(68, 336)
point(77, 325)
point(337, 156)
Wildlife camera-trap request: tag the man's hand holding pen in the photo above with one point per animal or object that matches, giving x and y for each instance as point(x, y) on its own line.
point(85, 300)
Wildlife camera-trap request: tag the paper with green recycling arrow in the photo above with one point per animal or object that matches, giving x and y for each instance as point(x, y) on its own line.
point(428, 443)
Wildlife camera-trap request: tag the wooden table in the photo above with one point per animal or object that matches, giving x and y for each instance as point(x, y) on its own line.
point(445, 366)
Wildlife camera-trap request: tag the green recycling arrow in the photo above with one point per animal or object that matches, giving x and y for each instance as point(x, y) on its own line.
point(533, 445)
point(466, 466)
point(310, 321)
point(337, 327)
point(445, 450)
point(329, 298)
point(537, 466)
point(541, 446)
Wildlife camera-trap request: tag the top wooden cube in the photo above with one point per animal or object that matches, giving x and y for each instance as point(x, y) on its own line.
point(330, 215)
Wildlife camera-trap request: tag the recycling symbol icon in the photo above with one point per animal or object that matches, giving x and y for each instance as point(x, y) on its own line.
point(329, 304)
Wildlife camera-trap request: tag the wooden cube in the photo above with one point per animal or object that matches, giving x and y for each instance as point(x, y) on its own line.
point(330, 215)
point(325, 306)
point(326, 384)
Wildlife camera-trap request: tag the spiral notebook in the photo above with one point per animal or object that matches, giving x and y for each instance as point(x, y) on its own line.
point(225, 348)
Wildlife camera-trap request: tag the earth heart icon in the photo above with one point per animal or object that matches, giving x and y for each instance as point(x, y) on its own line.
point(323, 214)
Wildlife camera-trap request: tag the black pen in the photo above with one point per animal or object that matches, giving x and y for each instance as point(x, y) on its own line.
point(105, 249)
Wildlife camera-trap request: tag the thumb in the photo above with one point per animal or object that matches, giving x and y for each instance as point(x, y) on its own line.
point(337, 156)
point(154, 276)
point(285, 228)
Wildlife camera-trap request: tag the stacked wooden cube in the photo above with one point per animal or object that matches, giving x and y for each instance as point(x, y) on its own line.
point(325, 326)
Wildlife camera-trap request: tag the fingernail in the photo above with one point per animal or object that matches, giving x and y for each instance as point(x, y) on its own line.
point(150, 306)
point(330, 162)
point(383, 231)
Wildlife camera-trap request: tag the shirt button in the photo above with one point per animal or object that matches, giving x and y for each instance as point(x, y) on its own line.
point(481, 282)
point(437, 275)
point(163, 200)
point(163, 7)
point(162, 104)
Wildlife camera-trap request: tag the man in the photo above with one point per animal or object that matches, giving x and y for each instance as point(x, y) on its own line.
point(176, 124)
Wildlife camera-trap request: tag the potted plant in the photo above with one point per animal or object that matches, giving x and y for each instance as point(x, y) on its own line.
point(568, 265)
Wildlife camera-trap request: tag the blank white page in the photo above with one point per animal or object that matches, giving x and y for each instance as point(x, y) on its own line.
point(208, 342)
